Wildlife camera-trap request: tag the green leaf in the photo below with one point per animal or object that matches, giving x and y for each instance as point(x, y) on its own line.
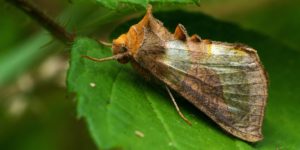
point(122, 103)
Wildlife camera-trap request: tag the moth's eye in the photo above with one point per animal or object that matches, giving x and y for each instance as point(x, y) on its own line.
point(123, 49)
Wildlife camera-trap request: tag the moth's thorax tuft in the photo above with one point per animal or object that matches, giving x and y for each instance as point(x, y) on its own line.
point(148, 32)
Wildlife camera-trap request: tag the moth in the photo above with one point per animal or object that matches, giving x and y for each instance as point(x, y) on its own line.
point(225, 81)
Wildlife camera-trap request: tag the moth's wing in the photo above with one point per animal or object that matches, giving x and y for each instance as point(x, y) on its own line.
point(225, 81)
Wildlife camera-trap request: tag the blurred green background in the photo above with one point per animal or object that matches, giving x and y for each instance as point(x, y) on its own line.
point(37, 112)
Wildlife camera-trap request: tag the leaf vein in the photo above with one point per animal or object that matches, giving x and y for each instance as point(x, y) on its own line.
point(160, 118)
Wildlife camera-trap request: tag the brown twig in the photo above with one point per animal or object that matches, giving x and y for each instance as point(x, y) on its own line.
point(37, 14)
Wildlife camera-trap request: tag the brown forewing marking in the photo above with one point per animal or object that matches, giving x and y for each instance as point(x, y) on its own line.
point(200, 88)
point(202, 97)
point(204, 85)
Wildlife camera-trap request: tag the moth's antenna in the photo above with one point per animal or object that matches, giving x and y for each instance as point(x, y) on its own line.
point(105, 43)
point(114, 57)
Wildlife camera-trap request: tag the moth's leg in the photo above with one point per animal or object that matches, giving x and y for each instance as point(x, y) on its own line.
point(177, 108)
point(105, 43)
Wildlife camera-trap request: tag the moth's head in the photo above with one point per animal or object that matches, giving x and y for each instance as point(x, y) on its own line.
point(127, 45)
point(119, 50)
point(119, 47)
point(131, 41)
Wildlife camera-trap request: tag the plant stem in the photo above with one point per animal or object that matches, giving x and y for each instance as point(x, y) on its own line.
point(43, 19)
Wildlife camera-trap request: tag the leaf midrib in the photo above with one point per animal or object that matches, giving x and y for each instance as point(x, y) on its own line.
point(161, 119)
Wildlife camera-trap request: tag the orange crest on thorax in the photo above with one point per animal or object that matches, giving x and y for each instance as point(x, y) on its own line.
point(132, 41)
